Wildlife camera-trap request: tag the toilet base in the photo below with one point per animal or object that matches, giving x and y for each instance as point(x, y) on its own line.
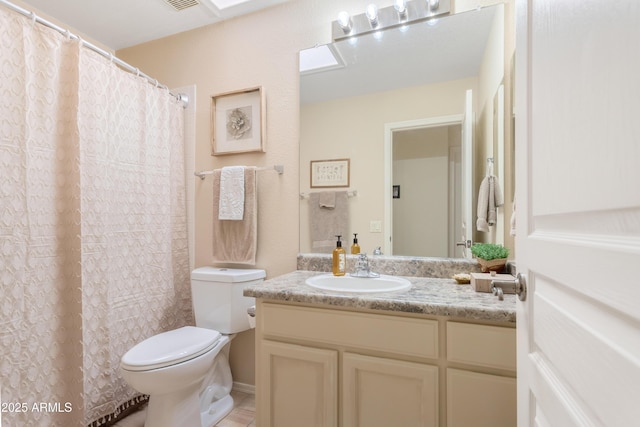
point(217, 411)
point(174, 409)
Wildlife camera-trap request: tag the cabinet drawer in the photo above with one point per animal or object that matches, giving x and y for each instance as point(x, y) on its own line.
point(482, 345)
point(393, 334)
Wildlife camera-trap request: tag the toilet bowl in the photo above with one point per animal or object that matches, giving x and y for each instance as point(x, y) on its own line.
point(186, 371)
point(170, 367)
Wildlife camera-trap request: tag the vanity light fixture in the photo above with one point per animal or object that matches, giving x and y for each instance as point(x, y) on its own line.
point(345, 22)
point(372, 15)
point(401, 13)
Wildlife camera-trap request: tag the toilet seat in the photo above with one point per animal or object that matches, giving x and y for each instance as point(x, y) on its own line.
point(170, 348)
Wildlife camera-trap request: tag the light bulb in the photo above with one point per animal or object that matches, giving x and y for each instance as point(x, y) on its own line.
point(372, 14)
point(344, 20)
point(400, 7)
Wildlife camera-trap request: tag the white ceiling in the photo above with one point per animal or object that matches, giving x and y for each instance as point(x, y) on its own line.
point(117, 24)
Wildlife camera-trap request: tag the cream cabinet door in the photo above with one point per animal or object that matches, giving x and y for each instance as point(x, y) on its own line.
point(480, 400)
point(299, 385)
point(379, 392)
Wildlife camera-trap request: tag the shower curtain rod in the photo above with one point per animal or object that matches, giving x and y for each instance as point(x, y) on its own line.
point(127, 67)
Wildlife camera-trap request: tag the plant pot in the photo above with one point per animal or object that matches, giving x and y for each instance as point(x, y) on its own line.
point(492, 265)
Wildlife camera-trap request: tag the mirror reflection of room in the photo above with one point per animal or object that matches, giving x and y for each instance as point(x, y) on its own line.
point(399, 84)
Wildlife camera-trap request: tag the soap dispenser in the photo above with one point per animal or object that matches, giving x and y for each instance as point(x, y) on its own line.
point(339, 259)
point(355, 248)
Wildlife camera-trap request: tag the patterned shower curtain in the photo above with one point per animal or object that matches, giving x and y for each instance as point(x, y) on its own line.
point(93, 239)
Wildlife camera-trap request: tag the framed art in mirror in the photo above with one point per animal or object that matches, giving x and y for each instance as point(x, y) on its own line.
point(330, 173)
point(238, 122)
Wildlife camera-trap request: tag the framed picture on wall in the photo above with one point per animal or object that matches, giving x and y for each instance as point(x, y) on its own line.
point(238, 122)
point(330, 173)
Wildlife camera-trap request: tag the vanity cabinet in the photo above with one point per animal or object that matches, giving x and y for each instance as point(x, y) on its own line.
point(337, 367)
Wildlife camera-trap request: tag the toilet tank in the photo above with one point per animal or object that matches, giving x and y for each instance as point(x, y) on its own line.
point(218, 302)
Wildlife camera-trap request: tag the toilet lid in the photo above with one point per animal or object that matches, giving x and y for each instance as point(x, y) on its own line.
point(170, 348)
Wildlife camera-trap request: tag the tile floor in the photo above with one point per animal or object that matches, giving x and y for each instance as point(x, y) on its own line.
point(243, 414)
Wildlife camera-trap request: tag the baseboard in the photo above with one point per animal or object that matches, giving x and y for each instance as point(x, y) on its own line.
point(244, 388)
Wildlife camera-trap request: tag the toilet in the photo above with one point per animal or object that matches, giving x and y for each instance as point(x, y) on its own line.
point(186, 371)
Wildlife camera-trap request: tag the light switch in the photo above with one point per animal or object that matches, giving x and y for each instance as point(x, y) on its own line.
point(375, 226)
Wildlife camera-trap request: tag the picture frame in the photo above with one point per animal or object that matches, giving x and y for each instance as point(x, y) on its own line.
point(238, 122)
point(396, 191)
point(330, 173)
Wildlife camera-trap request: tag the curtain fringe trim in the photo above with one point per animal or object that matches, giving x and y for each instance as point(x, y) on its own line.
point(121, 411)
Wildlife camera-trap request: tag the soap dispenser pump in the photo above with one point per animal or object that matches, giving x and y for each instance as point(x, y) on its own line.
point(339, 259)
point(355, 248)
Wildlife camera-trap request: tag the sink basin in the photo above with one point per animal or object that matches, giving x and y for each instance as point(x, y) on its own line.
point(349, 283)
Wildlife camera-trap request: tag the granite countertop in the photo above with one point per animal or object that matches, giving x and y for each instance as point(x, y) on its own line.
point(433, 296)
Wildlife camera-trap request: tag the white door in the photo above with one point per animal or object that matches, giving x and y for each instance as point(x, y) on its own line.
point(467, 175)
point(578, 212)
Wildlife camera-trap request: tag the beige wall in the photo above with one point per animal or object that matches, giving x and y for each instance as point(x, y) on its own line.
point(255, 50)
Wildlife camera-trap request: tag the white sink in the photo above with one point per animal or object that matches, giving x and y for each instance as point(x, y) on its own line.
point(349, 283)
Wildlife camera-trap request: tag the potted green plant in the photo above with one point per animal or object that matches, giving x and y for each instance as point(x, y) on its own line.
point(490, 256)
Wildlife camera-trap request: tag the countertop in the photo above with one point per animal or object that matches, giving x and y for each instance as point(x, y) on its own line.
point(432, 296)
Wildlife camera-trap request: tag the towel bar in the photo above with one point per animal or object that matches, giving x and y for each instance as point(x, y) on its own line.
point(351, 193)
point(278, 168)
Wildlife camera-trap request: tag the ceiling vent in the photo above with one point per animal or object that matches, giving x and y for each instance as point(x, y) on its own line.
point(182, 4)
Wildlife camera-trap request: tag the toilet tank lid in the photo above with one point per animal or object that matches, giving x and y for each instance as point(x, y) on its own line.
point(231, 275)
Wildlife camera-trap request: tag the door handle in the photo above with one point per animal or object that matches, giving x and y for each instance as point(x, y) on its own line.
point(516, 286)
point(466, 244)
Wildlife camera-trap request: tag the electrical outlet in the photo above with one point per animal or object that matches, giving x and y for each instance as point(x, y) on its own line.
point(375, 226)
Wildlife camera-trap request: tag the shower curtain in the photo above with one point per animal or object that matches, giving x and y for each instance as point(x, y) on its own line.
point(93, 239)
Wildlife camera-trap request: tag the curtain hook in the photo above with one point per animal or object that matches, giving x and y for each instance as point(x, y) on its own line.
point(34, 17)
point(137, 72)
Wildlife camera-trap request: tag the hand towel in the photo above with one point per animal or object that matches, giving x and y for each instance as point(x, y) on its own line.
point(231, 204)
point(489, 199)
point(327, 199)
point(236, 242)
point(326, 223)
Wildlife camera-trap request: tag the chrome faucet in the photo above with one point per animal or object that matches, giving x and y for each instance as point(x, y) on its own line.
point(363, 269)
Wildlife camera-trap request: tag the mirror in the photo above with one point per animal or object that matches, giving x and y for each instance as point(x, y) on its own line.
point(394, 107)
